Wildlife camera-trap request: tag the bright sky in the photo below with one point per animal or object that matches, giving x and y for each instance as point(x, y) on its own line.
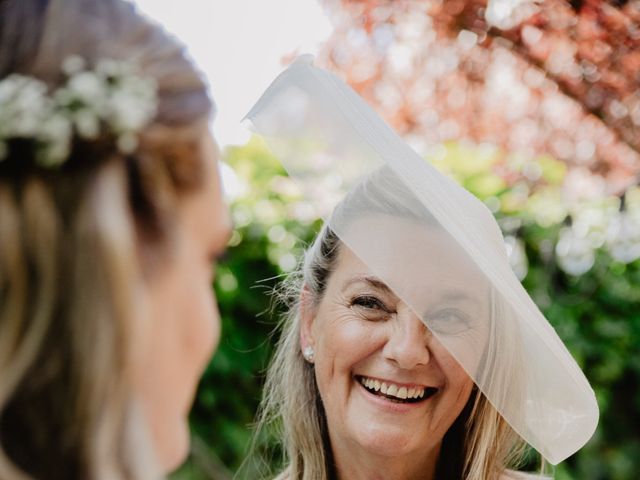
point(239, 44)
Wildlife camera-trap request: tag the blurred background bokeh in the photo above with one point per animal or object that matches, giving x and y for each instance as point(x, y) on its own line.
point(532, 106)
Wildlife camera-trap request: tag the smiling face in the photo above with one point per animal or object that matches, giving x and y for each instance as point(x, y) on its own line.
point(388, 386)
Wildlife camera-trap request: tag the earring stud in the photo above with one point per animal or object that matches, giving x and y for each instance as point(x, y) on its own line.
point(308, 353)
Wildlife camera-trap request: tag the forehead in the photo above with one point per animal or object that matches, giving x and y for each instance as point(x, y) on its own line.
point(420, 263)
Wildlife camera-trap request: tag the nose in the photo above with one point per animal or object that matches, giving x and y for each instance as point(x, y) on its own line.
point(407, 344)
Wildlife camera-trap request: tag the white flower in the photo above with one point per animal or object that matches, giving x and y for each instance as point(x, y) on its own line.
point(132, 105)
point(89, 88)
point(55, 127)
point(124, 113)
point(55, 135)
point(54, 154)
point(30, 94)
point(15, 85)
point(73, 64)
point(25, 123)
point(111, 99)
point(87, 123)
point(23, 104)
point(110, 68)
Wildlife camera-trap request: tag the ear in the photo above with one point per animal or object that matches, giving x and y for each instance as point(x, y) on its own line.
point(307, 318)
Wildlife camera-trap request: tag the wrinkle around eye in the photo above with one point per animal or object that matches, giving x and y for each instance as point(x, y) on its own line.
point(359, 312)
point(371, 315)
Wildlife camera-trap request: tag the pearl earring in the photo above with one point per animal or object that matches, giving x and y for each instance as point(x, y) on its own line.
point(308, 353)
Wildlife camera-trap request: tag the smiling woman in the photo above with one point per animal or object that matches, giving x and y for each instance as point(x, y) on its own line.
point(372, 353)
point(410, 350)
point(377, 387)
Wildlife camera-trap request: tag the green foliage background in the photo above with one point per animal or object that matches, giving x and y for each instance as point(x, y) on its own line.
point(596, 314)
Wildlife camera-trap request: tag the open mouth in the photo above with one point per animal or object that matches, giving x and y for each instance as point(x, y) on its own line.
point(396, 393)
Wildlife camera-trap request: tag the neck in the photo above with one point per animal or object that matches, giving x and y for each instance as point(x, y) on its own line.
point(355, 463)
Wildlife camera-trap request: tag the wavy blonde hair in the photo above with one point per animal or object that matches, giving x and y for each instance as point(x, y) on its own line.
point(70, 248)
point(480, 445)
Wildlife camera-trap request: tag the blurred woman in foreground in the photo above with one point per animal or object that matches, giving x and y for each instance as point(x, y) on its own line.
point(110, 221)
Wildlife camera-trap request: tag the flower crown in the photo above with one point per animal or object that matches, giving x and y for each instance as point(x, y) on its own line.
point(110, 100)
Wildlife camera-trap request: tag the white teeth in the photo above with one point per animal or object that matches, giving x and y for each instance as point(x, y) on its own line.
point(418, 393)
point(392, 390)
point(402, 393)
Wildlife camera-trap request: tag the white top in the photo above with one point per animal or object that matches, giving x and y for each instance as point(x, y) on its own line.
point(508, 475)
point(514, 475)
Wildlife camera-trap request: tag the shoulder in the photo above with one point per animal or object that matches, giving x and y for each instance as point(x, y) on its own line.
point(513, 475)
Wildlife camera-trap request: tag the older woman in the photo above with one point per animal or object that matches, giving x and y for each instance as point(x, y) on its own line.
point(410, 350)
point(110, 219)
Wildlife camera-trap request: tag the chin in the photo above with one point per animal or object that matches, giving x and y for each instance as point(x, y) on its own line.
point(175, 448)
point(383, 441)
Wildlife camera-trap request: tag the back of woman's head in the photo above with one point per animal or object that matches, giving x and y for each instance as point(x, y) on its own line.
point(69, 244)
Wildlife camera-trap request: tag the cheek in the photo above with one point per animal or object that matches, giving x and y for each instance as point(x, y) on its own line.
point(458, 384)
point(188, 322)
point(199, 318)
point(342, 343)
point(183, 329)
point(457, 378)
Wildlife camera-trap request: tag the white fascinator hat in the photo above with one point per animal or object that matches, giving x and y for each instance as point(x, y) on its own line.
point(391, 203)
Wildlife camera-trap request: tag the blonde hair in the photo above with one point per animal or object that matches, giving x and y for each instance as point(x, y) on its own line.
point(69, 254)
point(480, 445)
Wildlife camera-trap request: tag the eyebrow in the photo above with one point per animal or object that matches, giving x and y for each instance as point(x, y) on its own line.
point(458, 296)
point(372, 281)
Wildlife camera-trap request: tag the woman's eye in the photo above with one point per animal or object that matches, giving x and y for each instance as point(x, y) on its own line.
point(369, 302)
point(370, 308)
point(449, 322)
